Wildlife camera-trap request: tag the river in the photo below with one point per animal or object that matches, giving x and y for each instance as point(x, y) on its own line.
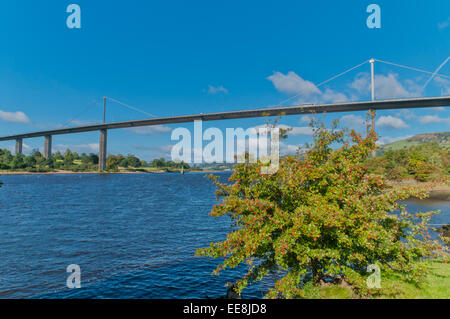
point(133, 236)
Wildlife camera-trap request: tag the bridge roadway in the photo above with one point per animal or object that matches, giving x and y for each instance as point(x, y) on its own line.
point(274, 111)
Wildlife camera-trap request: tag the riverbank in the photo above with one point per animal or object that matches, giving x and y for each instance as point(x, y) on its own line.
point(439, 190)
point(435, 286)
point(66, 172)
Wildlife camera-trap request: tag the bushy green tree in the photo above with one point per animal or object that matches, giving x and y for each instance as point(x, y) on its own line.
point(18, 162)
point(161, 162)
point(320, 218)
point(422, 162)
point(112, 163)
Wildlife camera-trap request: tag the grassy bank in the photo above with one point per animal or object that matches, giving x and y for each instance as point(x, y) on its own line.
point(436, 286)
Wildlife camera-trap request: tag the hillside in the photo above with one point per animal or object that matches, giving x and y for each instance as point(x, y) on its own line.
point(442, 138)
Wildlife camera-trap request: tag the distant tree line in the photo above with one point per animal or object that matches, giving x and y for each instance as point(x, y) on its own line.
point(113, 162)
point(36, 162)
point(423, 162)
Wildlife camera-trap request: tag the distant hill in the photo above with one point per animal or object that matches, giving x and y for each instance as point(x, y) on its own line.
point(442, 138)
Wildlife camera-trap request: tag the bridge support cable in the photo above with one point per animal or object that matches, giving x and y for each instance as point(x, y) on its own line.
point(129, 106)
point(435, 73)
point(81, 113)
point(372, 86)
point(323, 83)
point(413, 69)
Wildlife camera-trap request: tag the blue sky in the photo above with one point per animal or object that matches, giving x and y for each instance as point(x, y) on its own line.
point(186, 57)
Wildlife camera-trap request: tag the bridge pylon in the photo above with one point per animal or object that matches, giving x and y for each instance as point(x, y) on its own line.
point(102, 150)
point(19, 144)
point(47, 146)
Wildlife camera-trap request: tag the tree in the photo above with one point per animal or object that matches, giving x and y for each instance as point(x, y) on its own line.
point(320, 218)
point(30, 161)
point(5, 159)
point(161, 162)
point(94, 158)
point(18, 161)
point(418, 166)
point(112, 163)
point(68, 155)
point(58, 156)
point(133, 161)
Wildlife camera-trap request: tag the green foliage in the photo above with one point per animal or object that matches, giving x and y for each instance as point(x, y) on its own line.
point(112, 163)
point(435, 286)
point(35, 162)
point(323, 217)
point(423, 162)
point(168, 165)
point(442, 139)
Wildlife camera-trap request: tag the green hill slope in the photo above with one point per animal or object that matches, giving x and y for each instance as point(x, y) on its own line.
point(442, 138)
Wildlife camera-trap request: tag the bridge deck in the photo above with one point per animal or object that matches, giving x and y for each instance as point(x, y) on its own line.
point(292, 110)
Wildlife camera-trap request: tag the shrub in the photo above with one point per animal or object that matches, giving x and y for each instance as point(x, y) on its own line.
point(397, 173)
point(320, 218)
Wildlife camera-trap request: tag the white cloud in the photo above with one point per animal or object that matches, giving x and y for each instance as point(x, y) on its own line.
point(406, 114)
point(82, 122)
point(14, 117)
point(387, 140)
point(389, 87)
point(334, 97)
point(216, 90)
point(386, 86)
point(149, 130)
point(157, 151)
point(252, 143)
point(294, 130)
point(444, 24)
point(291, 83)
point(413, 87)
point(444, 84)
point(353, 120)
point(361, 83)
point(308, 92)
point(290, 149)
point(429, 119)
point(391, 122)
point(79, 148)
point(306, 119)
point(25, 148)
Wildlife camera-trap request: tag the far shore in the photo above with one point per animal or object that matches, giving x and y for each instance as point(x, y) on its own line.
point(438, 191)
point(65, 172)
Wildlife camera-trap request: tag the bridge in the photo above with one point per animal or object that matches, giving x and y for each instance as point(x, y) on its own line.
point(264, 112)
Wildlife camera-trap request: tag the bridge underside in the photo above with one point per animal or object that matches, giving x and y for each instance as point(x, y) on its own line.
point(278, 111)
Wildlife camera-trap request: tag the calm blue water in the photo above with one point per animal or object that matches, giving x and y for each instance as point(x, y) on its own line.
point(134, 236)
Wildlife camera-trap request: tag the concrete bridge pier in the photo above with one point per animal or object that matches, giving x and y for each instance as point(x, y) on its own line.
point(48, 146)
point(102, 149)
point(19, 143)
